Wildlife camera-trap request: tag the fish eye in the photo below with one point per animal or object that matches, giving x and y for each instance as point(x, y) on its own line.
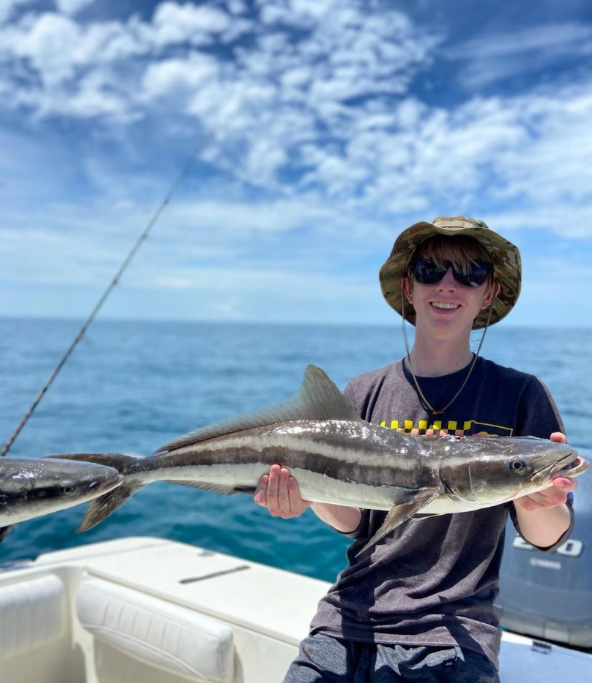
point(67, 490)
point(517, 465)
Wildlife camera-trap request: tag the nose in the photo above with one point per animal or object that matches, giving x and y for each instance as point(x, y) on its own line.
point(448, 282)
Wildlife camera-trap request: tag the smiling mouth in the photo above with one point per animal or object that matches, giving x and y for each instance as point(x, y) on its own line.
point(443, 306)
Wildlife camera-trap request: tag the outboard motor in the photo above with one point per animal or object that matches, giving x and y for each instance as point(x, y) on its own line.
point(549, 595)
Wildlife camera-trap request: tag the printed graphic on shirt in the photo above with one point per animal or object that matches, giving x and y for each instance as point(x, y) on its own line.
point(454, 427)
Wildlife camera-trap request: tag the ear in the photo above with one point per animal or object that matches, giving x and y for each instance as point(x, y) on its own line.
point(407, 289)
point(493, 291)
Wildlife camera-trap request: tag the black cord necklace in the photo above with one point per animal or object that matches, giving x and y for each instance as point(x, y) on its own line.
point(426, 404)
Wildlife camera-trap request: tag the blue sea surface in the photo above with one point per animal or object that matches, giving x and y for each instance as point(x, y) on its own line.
point(132, 386)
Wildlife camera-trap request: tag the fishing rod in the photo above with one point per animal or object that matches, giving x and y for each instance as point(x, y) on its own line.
point(179, 180)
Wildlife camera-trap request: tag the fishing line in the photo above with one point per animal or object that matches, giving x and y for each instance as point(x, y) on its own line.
point(151, 223)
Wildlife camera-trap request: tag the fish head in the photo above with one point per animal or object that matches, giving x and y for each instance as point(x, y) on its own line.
point(484, 471)
point(34, 487)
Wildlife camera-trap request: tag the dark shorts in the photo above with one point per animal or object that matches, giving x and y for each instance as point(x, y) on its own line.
point(323, 659)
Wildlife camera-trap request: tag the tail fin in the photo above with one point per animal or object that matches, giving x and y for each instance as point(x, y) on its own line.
point(101, 507)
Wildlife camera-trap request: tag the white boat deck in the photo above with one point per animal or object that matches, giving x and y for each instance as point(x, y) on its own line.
point(158, 611)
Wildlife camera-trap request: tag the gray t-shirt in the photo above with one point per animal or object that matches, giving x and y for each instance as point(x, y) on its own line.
point(433, 581)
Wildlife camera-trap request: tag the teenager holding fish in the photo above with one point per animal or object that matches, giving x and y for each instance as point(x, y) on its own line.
point(419, 605)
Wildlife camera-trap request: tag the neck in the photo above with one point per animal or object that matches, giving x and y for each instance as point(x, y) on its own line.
point(432, 358)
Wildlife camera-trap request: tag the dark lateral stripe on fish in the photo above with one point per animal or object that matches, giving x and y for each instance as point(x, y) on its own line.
point(344, 465)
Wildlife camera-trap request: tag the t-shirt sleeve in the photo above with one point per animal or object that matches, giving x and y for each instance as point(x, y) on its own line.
point(537, 412)
point(361, 529)
point(538, 416)
point(350, 395)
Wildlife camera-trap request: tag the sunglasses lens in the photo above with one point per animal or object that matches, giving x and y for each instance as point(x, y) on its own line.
point(426, 272)
point(476, 276)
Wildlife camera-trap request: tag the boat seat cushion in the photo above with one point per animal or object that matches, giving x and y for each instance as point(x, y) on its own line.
point(166, 635)
point(32, 614)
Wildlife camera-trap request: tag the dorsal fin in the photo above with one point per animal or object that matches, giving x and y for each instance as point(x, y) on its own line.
point(317, 399)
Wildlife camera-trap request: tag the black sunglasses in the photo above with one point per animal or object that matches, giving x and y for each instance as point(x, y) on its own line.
point(426, 272)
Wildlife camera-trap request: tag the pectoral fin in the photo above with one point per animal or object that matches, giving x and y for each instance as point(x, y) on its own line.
point(101, 507)
point(401, 513)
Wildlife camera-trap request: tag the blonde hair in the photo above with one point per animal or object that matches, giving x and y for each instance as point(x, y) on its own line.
point(461, 251)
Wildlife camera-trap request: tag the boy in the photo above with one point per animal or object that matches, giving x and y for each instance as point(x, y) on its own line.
point(419, 606)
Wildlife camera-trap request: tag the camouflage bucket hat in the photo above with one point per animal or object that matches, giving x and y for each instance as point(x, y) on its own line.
point(504, 255)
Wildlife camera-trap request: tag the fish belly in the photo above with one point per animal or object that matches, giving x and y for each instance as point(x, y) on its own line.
point(323, 489)
point(318, 488)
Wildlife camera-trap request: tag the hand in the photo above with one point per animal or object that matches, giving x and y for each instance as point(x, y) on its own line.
point(554, 495)
point(279, 493)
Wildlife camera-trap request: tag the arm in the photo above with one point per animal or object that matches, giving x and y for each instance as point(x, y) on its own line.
point(544, 517)
point(279, 493)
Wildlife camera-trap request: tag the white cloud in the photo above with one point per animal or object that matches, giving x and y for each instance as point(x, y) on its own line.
point(178, 78)
point(174, 23)
point(499, 56)
point(242, 221)
point(567, 38)
point(322, 117)
point(569, 222)
point(88, 242)
point(50, 46)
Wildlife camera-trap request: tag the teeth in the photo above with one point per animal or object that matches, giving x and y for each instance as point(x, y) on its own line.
point(437, 304)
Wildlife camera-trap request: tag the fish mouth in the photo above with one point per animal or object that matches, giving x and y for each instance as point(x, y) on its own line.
point(574, 468)
point(570, 466)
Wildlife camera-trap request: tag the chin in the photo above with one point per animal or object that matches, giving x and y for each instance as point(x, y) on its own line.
point(445, 328)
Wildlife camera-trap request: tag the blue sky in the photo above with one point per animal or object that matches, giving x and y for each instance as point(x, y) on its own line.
point(323, 129)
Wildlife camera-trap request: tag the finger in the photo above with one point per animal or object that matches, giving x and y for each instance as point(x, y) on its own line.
point(529, 503)
point(543, 500)
point(564, 484)
point(558, 437)
point(260, 495)
point(283, 496)
point(429, 432)
point(552, 497)
point(272, 490)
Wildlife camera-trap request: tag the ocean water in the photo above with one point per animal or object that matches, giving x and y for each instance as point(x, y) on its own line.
point(132, 386)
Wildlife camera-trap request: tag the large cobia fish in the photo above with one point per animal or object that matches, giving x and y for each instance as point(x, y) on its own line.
point(35, 487)
point(337, 457)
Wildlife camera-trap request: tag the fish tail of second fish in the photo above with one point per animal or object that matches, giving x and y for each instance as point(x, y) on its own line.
point(101, 507)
